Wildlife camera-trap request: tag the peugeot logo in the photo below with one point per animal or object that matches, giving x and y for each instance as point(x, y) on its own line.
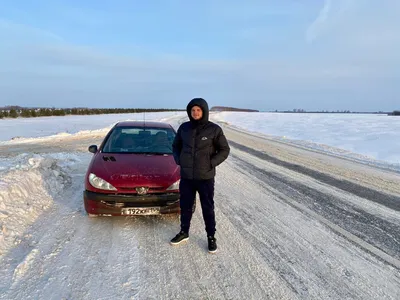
point(142, 190)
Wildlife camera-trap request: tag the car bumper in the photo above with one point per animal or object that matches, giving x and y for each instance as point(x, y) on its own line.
point(124, 205)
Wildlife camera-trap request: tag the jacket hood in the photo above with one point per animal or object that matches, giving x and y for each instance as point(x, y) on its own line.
point(204, 107)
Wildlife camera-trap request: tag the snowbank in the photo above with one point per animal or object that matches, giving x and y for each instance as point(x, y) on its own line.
point(80, 134)
point(28, 185)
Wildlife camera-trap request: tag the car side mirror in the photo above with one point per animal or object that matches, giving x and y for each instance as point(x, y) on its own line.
point(93, 148)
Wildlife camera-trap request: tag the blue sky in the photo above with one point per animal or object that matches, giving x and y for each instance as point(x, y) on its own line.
point(260, 54)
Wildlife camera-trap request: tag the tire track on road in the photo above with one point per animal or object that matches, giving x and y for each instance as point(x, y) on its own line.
point(374, 234)
point(315, 261)
point(387, 200)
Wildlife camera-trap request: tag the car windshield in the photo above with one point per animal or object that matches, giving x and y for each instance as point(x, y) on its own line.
point(140, 140)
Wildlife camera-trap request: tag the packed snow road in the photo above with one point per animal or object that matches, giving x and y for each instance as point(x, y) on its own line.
point(291, 224)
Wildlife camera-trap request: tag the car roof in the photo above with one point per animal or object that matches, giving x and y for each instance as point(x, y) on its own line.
point(145, 124)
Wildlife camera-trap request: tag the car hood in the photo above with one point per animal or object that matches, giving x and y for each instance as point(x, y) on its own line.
point(132, 170)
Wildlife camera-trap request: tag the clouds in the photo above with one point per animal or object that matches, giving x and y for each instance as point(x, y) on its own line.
point(317, 26)
point(275, 56)
point(15, 32)
point(352, 24)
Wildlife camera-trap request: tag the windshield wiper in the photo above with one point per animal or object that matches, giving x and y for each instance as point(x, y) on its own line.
point(136, 152)
point(155, 153)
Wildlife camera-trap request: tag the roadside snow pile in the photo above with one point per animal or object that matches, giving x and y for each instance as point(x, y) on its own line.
point(84, 133)
point(28, 185)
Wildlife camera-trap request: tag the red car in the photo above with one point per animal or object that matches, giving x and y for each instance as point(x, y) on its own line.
point(133, 171)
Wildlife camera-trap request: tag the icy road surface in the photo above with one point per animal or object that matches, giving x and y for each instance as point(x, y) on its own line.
point(291, 224)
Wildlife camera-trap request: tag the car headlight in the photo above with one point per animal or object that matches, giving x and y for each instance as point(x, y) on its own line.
point(99, 183)
point(174, 186)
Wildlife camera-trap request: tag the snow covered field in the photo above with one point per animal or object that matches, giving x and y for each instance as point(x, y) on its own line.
point(284, 232)
point(25, 128)
point(366, 136)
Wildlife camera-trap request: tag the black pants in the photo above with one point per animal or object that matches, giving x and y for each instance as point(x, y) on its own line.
point(188, 189)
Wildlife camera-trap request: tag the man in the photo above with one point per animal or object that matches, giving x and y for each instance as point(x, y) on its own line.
point(199, 146)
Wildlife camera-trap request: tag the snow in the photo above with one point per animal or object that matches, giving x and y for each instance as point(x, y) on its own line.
point(28, 181)
point(32, 184)
point(28, 184)
point(367, 136)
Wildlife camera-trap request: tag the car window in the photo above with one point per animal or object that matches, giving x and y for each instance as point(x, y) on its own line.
point(139, 140)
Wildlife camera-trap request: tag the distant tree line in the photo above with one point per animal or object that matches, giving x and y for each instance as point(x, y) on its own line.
point(228, 108)
point(300, 110)
point(394, 113)
point(47, 112)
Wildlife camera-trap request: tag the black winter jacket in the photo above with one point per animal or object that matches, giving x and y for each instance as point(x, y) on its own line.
point(199, 146)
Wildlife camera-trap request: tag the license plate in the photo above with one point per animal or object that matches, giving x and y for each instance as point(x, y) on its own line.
point(140, 211)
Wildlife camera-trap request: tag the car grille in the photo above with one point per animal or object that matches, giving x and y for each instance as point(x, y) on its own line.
point(132, 190)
